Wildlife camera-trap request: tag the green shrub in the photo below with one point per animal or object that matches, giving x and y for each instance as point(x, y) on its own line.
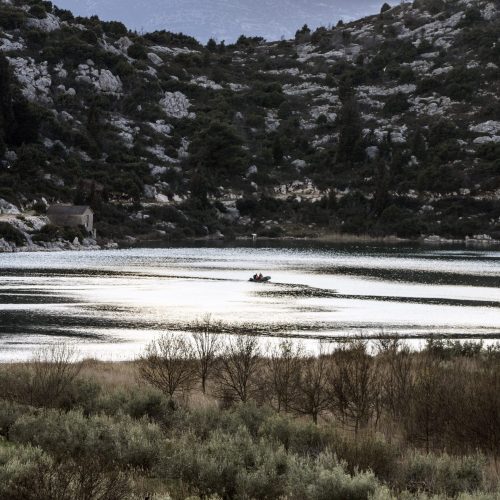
point(231, 465)
point(12, 234)
point(369, 453)
point(137, 51)
point(9, 413)
point(395, 104)
point(325, 478)
point(109, 440)
point(38, 11)
point(442, 474)
point(28, 473)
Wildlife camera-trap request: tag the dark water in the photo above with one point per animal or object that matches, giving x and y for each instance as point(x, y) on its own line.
point(111, 303)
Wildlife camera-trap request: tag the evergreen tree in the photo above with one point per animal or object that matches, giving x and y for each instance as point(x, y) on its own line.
point(218, 149)
point(212, 45)
point(277, 150)
point(381, 195)
point(350, 149)
point(6, 111)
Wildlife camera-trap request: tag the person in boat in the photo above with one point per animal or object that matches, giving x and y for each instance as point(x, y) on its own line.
point(255, 277)
point(260, 277)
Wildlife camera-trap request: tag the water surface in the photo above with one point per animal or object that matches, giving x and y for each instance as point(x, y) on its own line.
point(111, 303)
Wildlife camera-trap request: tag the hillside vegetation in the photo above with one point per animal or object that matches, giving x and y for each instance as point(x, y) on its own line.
point(344, 424)
point(387, 125)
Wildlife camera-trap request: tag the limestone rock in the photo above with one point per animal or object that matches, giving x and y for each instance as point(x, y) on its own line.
point(50, 23)
point(176, 105)
point(34, 78)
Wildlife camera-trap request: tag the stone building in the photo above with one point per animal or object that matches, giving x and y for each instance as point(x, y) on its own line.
point(72, 216)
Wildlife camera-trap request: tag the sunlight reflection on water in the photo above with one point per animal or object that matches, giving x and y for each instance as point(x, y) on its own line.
point(111, 303)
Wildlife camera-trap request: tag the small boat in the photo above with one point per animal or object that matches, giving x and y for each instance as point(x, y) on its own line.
point(264, 279)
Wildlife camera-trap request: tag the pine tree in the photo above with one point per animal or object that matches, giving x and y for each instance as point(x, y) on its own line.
point(6, 110)
point(277, 150)
point(350, 149)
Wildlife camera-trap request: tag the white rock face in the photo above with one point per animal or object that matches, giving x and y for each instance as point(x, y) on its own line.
point(109, 83)
point(490, 127)
point(487, 139)
point(325, 110)
point(34, 78)
point(123, 44)
point(50, 23)
point(272, 121)
point(7, 45)
point(8, 208)
point(127, 132)
point(183, 151)
point(238, 87)
point(161, 127)
point(155, 58)
point(252, 170)
point(407, 88)
point(299, 164)
point(104, 81)
point(157, 170)
point(489, 12)
point(204, 82)
point(304, 88)
point(149, 192)
point(372, 152)
point(176, 105)
point(174, 51)
point(434, 105)
point(159, 152)
point(162, 198)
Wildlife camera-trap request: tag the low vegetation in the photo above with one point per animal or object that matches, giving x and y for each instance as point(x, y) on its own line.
point(208, 416)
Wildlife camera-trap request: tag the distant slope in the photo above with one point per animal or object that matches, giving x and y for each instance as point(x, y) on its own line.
point(224, 19)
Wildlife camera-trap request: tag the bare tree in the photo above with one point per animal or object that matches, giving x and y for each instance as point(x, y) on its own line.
point(52, 371)
point(396, 370)
point(168, 364)
point(207, 342)
point(237, 367)
point(354, 384)
point(312, 390)
point(284, 365)
point(426, 418)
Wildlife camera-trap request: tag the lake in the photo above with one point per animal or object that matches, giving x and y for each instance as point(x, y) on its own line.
point(111, 303)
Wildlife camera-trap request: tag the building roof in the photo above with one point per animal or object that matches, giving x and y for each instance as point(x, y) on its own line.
point(61, 209)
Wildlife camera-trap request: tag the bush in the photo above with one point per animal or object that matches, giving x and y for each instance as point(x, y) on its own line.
point(137, 51)
point(38, 11)
point(12, 234)
point(120, 440)
point(442, 474)
point(231, 465)
point(325, 479)
point(395, 104)
point(27, 473)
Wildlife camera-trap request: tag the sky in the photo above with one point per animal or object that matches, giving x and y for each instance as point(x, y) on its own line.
point(224, 19)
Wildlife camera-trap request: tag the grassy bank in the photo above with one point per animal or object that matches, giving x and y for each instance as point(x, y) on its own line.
point(202, 418)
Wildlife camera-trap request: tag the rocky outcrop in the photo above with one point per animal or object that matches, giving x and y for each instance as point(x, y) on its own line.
point(7, 208)
point(176, 105)
point(103, 80)
point(34, 78)
point(48, 24)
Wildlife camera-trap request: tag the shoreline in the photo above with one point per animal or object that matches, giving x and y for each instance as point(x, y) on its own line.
point(483, 241)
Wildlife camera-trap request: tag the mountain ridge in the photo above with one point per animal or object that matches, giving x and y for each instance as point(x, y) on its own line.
point(222, 19)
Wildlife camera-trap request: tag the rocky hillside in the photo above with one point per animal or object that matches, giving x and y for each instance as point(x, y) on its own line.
point(387, 125)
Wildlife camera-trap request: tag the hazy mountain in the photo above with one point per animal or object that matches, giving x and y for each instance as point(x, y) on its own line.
point(224, 19)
